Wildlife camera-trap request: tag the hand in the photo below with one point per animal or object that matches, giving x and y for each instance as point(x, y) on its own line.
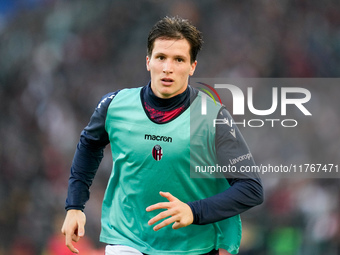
point(180, 213)
point(73, 228)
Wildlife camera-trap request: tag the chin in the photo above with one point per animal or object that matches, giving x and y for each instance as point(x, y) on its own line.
point(166, 93)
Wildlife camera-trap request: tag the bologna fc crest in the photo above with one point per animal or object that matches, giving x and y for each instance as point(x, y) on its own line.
point(157, 152)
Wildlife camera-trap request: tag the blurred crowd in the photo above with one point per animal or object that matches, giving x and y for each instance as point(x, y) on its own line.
point(57, 58)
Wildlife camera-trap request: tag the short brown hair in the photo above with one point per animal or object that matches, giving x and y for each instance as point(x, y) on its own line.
point(176, 28)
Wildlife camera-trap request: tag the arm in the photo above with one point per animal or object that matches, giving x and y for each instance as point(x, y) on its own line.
point(88, 155)
point(246, 189)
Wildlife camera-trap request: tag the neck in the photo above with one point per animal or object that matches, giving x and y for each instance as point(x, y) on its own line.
point(166, 102)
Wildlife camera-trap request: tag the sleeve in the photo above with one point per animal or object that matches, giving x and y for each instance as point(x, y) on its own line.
point(246, 188)
point(88, 155)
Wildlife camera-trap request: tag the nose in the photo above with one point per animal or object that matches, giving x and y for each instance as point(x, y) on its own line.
point(167, 67)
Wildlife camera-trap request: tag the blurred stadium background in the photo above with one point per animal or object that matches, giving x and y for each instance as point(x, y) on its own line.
point(57, 58)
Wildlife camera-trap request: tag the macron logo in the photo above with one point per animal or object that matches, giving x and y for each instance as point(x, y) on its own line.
point(104, 100)
point(162, 138)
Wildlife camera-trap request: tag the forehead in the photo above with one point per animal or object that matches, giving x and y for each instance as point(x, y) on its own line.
point(171, 47)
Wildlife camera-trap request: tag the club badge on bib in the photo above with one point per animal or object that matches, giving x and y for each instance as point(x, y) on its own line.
point(157, 152)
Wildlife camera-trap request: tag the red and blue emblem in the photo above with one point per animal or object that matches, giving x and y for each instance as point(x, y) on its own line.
point(157, 152)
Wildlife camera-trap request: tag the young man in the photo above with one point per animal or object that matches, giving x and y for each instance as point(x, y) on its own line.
point(157, 134)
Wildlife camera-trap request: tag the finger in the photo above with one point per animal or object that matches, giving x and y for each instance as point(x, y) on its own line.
point(177, 225)
point(68, 242)
point(63, 230)
point(168, 196)
point(75, 238)
point(81, 229)
point(163, 205)
point(160, 216)
point(164, 223)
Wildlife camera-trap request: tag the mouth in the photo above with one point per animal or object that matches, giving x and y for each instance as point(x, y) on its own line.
point(167, 81)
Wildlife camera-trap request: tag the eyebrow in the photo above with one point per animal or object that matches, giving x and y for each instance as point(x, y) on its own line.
point(163, 54)
point(180, 56)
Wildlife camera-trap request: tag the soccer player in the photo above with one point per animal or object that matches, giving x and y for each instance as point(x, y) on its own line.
point(157, 134)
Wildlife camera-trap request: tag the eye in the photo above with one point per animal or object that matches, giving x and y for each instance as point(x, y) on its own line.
point(160, 57)
point(180, 60)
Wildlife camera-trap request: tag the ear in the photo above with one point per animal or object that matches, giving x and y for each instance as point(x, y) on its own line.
point(147, 63)
point(193, 68)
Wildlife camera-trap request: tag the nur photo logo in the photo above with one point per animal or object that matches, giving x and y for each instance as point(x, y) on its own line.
point(280, 99)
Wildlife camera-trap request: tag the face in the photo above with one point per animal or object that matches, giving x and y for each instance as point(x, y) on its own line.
point(170, 67)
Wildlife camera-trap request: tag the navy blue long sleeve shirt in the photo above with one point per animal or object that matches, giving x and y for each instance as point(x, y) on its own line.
point(246, 189)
